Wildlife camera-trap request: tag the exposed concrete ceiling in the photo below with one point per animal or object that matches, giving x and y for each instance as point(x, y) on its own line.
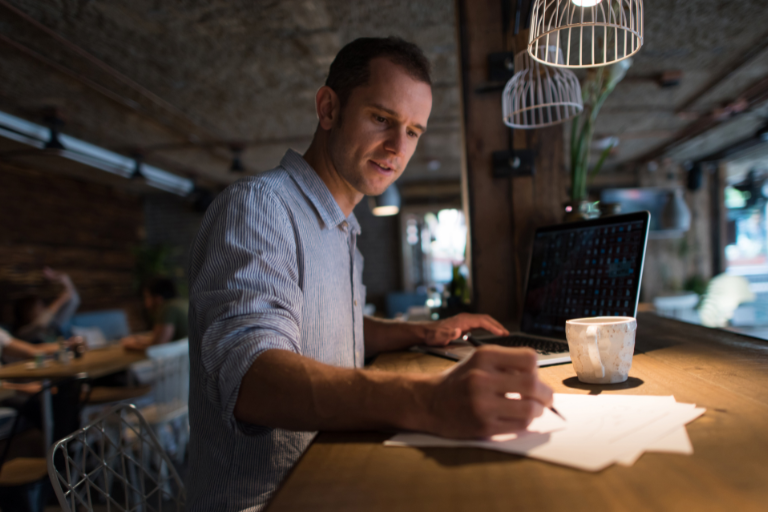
point(196, 76)
point(213, 73)
point(705, 39)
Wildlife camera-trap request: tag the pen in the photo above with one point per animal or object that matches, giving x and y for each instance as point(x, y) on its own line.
point(472, 341)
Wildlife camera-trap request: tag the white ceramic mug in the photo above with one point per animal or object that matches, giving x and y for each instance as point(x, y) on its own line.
point(601, 347)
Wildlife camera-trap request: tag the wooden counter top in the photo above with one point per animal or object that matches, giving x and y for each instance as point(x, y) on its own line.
point(726, 373)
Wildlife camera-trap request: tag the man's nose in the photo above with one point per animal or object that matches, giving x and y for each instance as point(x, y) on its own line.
point(396, 142)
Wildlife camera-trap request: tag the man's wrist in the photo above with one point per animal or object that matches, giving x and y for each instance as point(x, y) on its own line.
point(422, 390)
point(406, 401)
point(418, 331)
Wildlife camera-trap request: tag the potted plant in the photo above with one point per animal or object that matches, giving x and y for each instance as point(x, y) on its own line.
point(599, 84)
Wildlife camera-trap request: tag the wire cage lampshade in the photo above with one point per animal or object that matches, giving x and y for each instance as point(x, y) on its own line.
point(589, 32)
point(538, 95)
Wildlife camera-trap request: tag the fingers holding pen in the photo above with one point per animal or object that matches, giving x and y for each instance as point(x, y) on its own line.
point(472, 399)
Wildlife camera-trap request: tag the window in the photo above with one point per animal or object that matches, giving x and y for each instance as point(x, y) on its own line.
point(434, 242)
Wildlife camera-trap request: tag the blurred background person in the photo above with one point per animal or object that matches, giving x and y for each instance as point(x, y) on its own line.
point(20, 349)
point(37, 323)
point(169, 315)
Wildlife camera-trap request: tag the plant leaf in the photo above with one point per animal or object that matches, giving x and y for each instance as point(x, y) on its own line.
point(600, 161)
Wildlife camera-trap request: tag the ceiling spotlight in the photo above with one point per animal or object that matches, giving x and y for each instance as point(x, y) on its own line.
point(54, 124)
point(237, 163)
point(387, 203)
point(138, 160)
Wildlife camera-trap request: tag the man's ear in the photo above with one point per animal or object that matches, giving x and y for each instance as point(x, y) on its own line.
point(328, 107)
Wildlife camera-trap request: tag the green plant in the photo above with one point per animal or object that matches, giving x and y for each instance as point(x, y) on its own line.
point(157, 260)
point(599, 84)
point(696, 284)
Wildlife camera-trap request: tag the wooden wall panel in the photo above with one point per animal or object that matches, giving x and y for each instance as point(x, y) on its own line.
point(489, 200)
point(84, 229)
point(504, 212)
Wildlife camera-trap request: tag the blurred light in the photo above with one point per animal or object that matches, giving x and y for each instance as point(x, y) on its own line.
point(89, 154)
point(586, 3)
point(386, 211)
point(387, 203)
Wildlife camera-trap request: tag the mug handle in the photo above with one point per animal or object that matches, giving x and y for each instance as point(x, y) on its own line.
point(594, 353)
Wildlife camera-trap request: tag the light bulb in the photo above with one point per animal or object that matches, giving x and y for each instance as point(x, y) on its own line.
point(586, 3)
point(386, 211)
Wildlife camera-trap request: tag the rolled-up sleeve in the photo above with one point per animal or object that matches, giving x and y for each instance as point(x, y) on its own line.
point(245, 294)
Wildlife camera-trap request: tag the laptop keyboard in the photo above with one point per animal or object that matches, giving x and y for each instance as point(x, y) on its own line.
point(543, 347)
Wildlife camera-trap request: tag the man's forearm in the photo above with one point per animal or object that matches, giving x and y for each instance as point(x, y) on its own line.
point(286, 390)
point(388, 335)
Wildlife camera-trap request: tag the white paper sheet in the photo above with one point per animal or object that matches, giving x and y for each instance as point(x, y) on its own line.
point(598, 431)
point(676, 441)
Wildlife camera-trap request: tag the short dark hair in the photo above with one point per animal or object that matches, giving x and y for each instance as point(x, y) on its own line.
point(161, 287)
point(351, 68)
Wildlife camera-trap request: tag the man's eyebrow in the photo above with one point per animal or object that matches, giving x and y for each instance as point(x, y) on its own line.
point(395, 114)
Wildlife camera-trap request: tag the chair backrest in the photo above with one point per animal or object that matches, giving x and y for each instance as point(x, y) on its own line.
point(112, 322)
point(171, 368)
point(117, 459)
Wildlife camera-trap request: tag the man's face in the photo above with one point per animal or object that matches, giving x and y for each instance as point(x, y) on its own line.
point(149, 300)
point(379, 128)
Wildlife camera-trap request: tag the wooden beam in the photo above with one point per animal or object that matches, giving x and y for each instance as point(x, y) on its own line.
point(751, 98)
point(504, 212)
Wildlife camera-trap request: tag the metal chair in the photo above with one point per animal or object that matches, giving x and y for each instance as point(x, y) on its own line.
point(118, 459)
point(168, 414)
point(22, 461)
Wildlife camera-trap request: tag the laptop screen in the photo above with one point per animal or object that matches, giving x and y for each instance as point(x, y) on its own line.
point(589, 268)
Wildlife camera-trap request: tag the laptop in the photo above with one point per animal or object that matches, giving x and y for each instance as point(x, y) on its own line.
point(576, 270)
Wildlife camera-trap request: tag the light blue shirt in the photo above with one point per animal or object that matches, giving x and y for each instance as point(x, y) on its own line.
point(275, 266)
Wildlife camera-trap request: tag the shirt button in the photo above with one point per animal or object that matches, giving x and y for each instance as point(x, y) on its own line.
point(355, 302)
point(344, 225)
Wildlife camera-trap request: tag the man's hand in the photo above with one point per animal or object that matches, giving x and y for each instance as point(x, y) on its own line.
point(387, 335)
point(283, 389)
point(76, 344)
point(469, 401)
point(135, 342)
point(59, 277)
point(441, 332)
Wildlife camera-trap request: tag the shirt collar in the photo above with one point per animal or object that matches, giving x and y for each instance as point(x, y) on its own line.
point(315, 189)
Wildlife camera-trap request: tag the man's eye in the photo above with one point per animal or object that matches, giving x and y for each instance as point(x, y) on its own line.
point(380, 119)
point(413, 134)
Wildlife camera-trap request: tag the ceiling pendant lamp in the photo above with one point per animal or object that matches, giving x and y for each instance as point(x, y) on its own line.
point(588, 32)
point(387, 203)
point(538, 96)
point(237, 162)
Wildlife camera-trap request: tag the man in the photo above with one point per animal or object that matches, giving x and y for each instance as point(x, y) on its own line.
point(277, 334)
point(169, 314)
point(37, 323)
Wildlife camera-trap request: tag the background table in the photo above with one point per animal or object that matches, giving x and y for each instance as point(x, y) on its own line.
point(724, 372)
point(93, 364)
